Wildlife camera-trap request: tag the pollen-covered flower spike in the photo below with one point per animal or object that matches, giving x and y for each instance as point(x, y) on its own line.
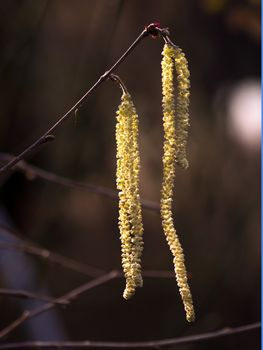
point(130, 216)
point(174, 150)
point(182, 124)
point(173, 56)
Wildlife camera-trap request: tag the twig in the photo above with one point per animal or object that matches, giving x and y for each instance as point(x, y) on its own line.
point(32, 248)
point(31, 172)
point(132, 345)
point(19, 293)
point(29, 151)
point(55, 259)
point(68, 297)
point(149, 30)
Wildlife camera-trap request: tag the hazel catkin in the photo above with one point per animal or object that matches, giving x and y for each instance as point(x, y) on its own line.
point(130, 217)
point(174, 150)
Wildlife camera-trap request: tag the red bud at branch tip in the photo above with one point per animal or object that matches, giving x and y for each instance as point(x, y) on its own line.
point(152, 29)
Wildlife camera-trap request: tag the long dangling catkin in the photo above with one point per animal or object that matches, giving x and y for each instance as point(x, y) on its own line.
point(130, 217)
point(171, 153)
point(182, 110)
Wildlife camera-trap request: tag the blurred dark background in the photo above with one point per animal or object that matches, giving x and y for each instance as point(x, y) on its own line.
point(51, 53)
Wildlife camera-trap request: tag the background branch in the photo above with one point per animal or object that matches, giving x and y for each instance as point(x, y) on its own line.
point(45, 254)
point(66, 263)
point(68, 297)
point(32, 172)
point(19, 293)
point(133, 345)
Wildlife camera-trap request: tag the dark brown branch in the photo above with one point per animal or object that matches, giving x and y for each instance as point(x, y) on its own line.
point(33, 249)
point(132, 345)
point(42, 139)
point(55, 259)
point(68, 297)
point(32, 172)
point(74, 293)
point(18, 293)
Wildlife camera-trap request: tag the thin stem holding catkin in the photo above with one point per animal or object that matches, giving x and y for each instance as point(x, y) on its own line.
point(151, 29)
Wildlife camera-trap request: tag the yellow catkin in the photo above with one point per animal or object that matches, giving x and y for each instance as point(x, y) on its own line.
point(169, 156)
point(182, 110)
point(130, 217)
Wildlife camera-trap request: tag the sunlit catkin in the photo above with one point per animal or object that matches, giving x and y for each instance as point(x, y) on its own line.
point(182, 109)
point(130, 217)
point(174, 146)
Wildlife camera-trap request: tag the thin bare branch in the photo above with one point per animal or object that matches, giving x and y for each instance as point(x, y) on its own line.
point(75, 293)
point(55, 258)
point(68, 297)
point(132, 345)
point(46, 136)
point(19, 293)
point(32, 172)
